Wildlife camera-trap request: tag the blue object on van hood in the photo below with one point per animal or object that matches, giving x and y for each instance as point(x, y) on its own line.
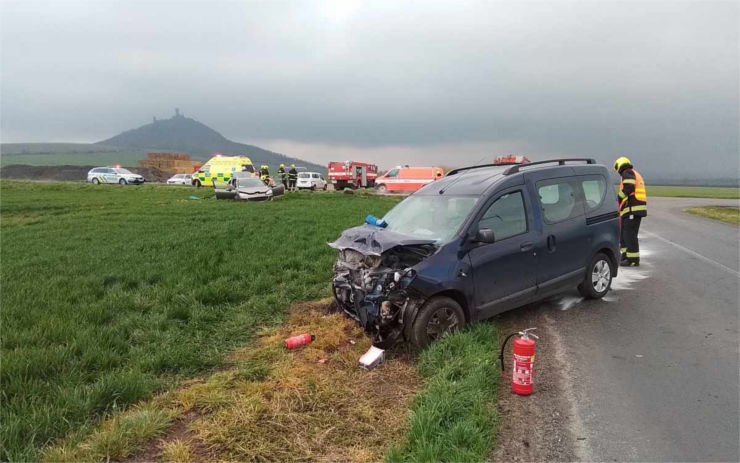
point(372, 220)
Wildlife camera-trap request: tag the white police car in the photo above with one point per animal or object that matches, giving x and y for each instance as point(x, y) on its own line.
point(113, 175)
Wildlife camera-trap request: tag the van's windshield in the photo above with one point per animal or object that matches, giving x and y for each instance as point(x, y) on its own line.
point(430, 217)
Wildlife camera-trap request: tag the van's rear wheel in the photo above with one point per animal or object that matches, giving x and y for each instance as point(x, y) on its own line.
point(598, 277)
point(439, 317)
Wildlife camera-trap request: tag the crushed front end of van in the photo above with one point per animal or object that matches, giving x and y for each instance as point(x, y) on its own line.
point(374, 280)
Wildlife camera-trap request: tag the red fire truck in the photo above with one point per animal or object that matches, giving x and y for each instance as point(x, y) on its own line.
point(352, 174)
point(511, 158)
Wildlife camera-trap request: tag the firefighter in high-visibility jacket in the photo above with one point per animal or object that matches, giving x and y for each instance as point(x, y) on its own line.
point(632, 208)
point(283, 175)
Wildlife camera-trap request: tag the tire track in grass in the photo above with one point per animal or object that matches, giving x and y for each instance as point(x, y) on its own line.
point(270, 404)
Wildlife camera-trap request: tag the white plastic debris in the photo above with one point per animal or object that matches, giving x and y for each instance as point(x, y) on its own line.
point(372, 358)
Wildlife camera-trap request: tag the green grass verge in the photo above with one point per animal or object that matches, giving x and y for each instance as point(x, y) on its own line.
point(727, 214)
point(694, 192)
point(112, 293)
point(454, 417)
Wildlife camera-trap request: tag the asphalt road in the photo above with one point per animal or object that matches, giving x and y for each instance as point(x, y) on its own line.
point(651, 372)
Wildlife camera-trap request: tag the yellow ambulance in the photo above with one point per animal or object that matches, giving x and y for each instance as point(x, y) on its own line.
point(220, 169)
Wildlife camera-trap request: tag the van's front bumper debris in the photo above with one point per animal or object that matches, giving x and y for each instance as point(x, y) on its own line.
point(373, 280)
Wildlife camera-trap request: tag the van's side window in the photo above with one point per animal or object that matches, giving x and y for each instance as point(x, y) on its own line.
point(506, 216)
point(594, 191)
point(392, 173)
point(558, 200)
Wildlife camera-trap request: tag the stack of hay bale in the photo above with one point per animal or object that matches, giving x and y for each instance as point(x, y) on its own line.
point(170, 163)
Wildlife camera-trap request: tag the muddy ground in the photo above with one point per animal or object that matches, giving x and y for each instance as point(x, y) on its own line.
point(542, 426)
point(70, 173)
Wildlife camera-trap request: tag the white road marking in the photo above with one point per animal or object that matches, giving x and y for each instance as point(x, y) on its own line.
point(695, 254)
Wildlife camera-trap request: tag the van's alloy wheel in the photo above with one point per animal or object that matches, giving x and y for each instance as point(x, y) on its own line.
point(601, 276)
point(122, 182)
point(443, 321)
point(438, 317)
point(382, 189)
point(598, 277)
point(95, 181)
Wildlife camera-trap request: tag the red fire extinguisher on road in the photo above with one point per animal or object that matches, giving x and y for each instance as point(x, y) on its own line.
point(522, 377)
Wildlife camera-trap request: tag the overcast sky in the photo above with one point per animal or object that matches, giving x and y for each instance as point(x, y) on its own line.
point(414, 82)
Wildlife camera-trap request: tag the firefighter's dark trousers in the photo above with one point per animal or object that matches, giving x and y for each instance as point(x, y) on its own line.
point(629, 246)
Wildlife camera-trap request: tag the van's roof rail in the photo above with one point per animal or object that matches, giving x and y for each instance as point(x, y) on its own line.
point(498, 164)
point(515, 168)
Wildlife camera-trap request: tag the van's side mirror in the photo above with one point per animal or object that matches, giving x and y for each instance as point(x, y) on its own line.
point(485, 235)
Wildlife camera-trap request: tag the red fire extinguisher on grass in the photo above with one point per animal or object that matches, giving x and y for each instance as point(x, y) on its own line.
point(522, 377)
point(300, 340)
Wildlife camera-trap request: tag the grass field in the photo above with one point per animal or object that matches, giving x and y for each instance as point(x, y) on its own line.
point(694, 191)
point(110, 294)
point(453, 418)
point(727, 214)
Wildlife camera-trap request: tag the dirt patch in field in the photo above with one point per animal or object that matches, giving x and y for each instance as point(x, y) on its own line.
point(313, 403)
point(539, 427)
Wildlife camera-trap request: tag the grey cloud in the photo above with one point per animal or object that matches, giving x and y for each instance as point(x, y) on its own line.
point(656, 80)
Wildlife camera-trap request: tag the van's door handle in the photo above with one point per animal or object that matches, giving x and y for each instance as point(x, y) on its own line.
point(551, 245)
point(526, 246)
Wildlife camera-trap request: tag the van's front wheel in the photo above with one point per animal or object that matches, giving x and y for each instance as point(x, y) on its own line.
point(598, 278)
point(439, 317)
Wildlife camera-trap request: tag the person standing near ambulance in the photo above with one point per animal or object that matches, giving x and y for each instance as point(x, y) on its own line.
point(632, 208)
point(283, 175)
point(292, 177)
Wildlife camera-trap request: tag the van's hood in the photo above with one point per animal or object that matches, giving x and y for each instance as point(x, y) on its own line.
point(372, 240)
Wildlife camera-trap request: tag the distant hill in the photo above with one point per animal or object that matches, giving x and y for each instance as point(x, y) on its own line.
point(183, 134)
point(177, 134)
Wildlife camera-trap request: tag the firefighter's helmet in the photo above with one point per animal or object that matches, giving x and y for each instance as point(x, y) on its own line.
point(621, 162)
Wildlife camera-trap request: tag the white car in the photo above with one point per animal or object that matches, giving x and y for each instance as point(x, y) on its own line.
point(179, 179)
point(310, 181)
point(113, 175)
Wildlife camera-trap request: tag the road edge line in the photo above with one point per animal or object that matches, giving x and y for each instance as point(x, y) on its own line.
point(694, 253)
point(581, 447)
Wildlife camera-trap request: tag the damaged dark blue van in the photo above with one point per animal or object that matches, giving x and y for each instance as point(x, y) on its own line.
point(480, 241)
